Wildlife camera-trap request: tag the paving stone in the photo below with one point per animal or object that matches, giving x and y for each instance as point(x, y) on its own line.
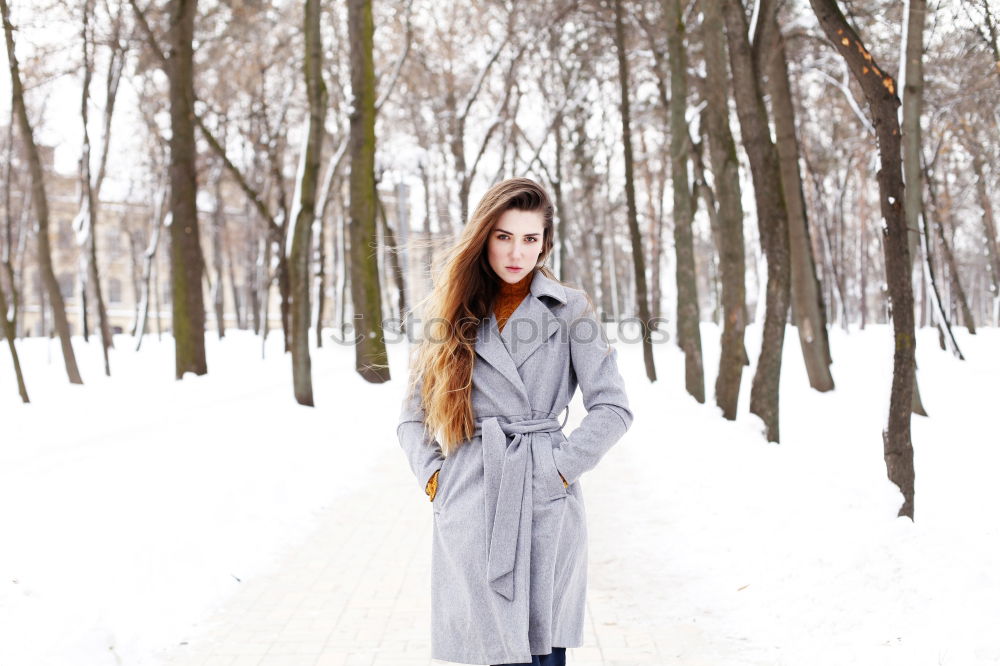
point(357, 593)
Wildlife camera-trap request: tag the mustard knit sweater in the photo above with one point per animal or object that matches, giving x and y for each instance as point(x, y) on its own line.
point(507, 300)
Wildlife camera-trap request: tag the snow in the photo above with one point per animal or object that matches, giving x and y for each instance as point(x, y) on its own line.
point(297, 195)
point(792, 552)
point(131, 507)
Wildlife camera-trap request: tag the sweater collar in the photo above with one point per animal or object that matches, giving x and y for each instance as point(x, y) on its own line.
point(519, 288)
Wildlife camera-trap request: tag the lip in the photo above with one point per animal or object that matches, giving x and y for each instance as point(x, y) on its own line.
point(513, 269)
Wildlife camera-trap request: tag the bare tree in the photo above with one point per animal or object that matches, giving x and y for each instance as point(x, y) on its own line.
point(371, 359)
point(90, 191)
point(302, 232)
point(148, 259)
point(911, 74)
point(41, 205)
point(807, 303)
point(725, 169)
point(772, 216)
point(276, 229)
point(186, 264)
point(9, 307)
point(688, 315)
point(216, 293)
point(9, 333)
point(633, 222)
point(880, 92)
point(989, 230)
point(942, 213)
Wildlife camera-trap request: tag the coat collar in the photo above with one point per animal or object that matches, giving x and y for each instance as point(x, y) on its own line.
point(544, 286)
point(529, 326)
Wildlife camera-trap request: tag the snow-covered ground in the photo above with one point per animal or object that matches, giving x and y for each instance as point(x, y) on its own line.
point(792, 553)
point(132, 507)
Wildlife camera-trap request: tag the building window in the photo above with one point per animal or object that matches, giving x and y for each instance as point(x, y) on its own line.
point(113, 242)
point(66, 284)
point(114, 290)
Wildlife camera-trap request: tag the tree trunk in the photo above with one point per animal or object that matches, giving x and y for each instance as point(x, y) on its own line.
point(186, 267)
point(936, 313)
point(772, 217)
point(912, 76)
point(343, 263)
point(880, 92)
point(725, 169)
point(319, 280)
point(279, 237)
point(91, 188)
point(264, 281)
point(862, 254)
point(157, 306)
point(688, 315)
point(633, 222)
point(9, 310)
point(301, 255)
point(9, 307)
point(216, 293)
point(989, 231)
point(148, 266)
point(371, 359)
point(704, 191)
point(393, 254)
point(942, 213)
point(564, 273)
point(41, 205)
point(807, 303)
point(252, 255)
point(135, 269)
point(9, 333)
point(234, 289)
point(331, 184)
point(654, 193)
point(834, 273)
point(943, 320)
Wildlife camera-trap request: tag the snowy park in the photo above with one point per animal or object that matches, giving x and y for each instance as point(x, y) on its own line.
point(233, 231)
point(134, 508)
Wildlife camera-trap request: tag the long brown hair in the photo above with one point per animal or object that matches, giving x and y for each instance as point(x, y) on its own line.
point(463, 294)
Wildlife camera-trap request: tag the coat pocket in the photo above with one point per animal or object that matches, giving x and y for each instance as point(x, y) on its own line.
point(442, 483)
point(553, 480)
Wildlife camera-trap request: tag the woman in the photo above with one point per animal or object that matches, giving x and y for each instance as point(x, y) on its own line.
point(506, 346)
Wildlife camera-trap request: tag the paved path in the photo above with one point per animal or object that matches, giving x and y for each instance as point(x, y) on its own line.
point(357, 592)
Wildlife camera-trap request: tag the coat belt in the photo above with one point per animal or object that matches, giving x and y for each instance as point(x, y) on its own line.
point(507, 470)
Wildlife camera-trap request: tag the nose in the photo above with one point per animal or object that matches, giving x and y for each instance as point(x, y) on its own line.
point(517, 250)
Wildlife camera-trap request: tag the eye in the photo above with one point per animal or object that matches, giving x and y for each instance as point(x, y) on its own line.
point(532, 239)
point(502, 236)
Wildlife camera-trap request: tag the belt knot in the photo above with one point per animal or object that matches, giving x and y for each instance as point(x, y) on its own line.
point(506, 471)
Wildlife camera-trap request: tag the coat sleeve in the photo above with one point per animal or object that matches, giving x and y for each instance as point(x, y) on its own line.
point(594, 363)
point(422, 451)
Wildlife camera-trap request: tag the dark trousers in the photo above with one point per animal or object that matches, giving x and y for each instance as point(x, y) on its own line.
point(556, 658)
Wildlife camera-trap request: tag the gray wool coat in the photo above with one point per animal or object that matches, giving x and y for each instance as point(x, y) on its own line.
point(509, 551)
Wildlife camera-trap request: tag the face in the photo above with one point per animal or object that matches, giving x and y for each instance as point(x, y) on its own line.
point(515, 243)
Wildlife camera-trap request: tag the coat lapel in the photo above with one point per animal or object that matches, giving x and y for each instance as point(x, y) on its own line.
point(491, 348)
point(529, 326)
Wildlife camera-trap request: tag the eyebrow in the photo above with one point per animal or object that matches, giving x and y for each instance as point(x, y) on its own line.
point(504, 231)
